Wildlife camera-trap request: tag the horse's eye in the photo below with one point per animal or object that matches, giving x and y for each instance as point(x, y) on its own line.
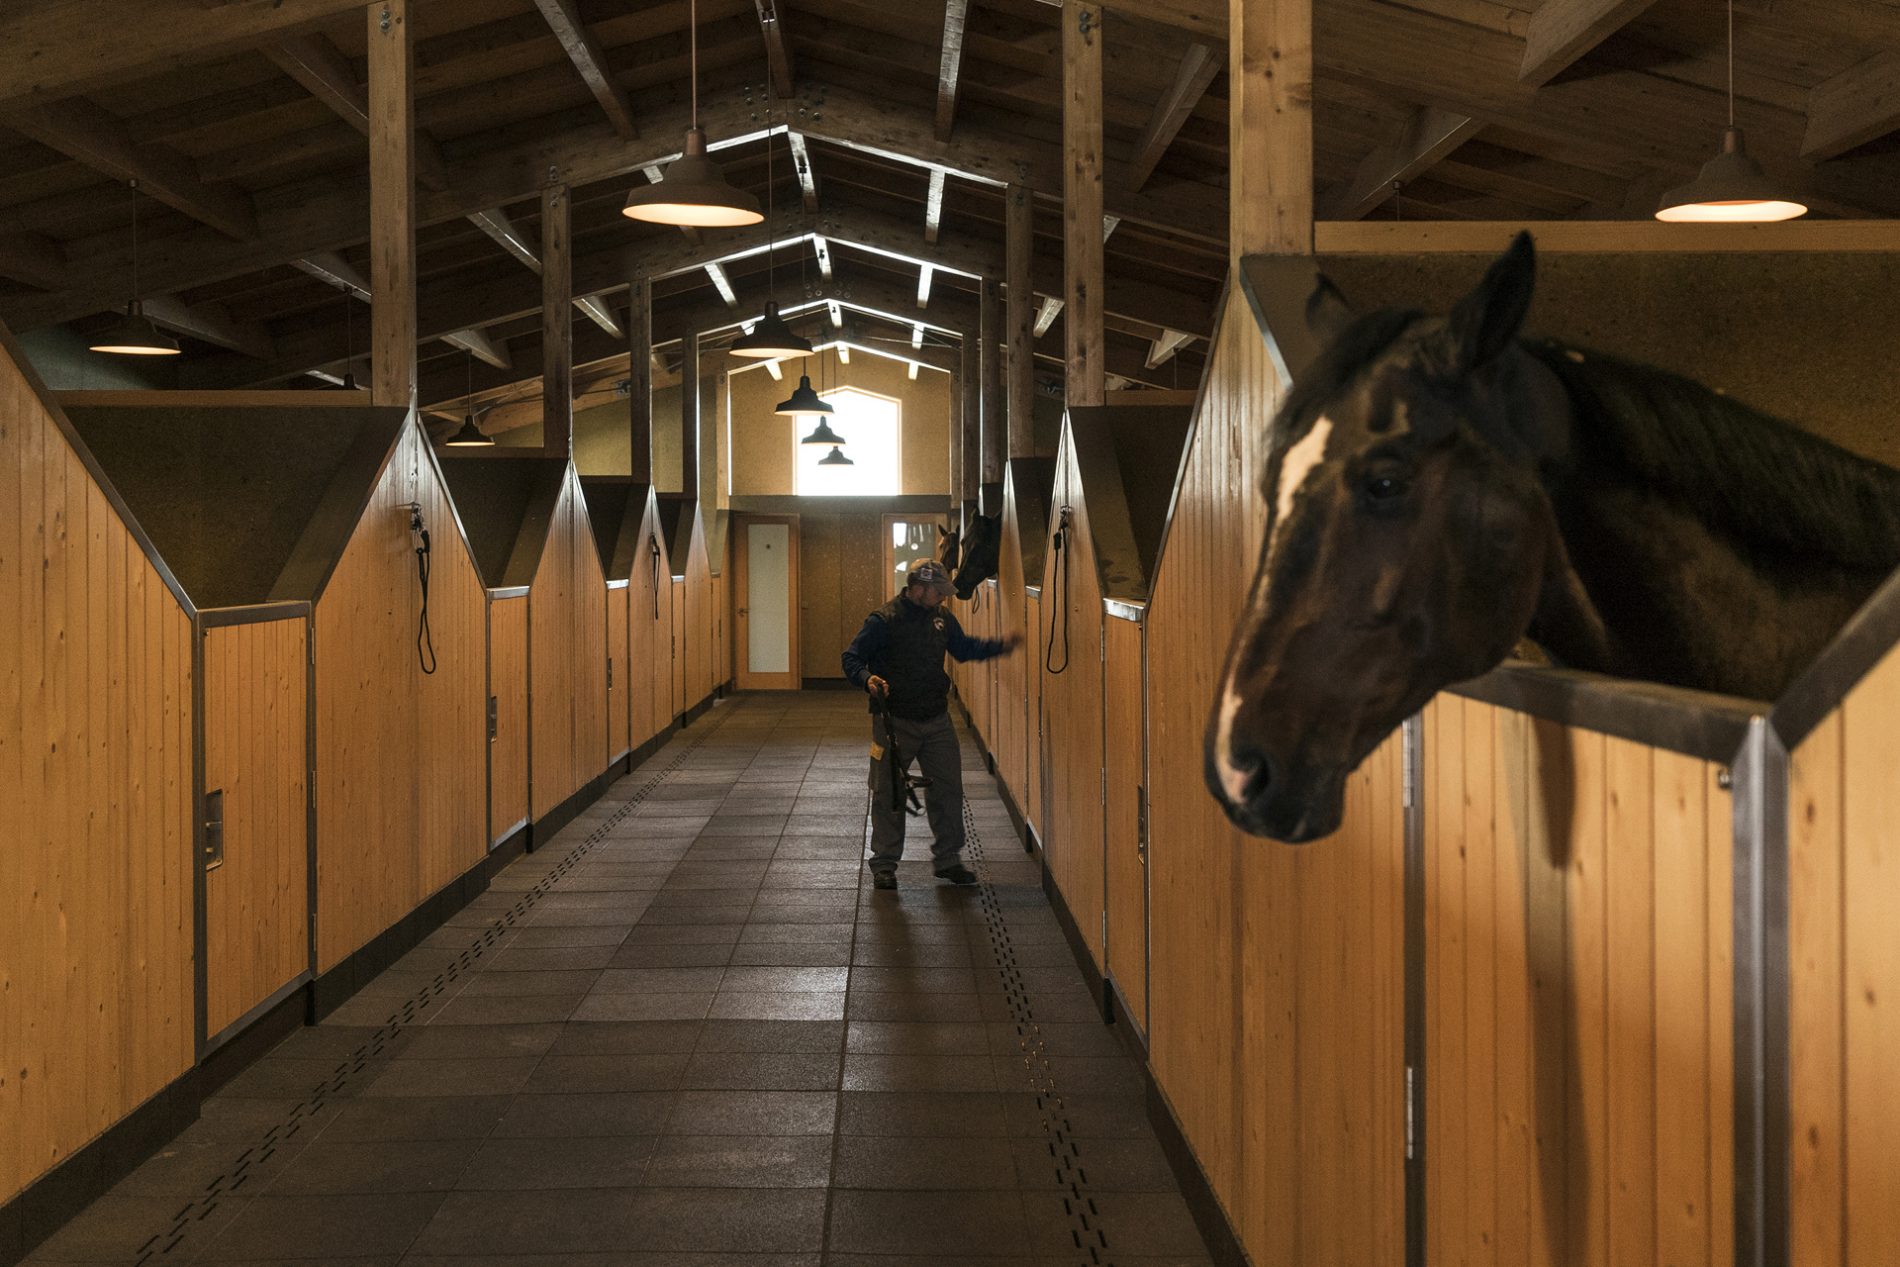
point(1382, 488)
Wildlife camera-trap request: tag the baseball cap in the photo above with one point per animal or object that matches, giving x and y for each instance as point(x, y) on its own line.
point(932, 573)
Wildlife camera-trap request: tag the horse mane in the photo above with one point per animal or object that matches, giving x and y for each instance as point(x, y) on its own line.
point(1759, 477)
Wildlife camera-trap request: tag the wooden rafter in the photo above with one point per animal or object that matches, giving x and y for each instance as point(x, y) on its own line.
point(933, 206)
point(1564, 31)
point(329, 267)
point(210, 323)
point(778, 45)
point(801, 162)
point(717, 275)
point(1199, 67)
point(1170, 342)
point(585, 52)
point(483, 348)
point(950, 70)
point(502, 231)
point(325, 73)
point(82, 131)
point(1854, 107)
point(32, 258)
point(1427, 136)
point(1046, 315)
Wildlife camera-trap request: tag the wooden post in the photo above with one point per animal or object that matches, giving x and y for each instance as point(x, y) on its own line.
point(640, 379)
point(970, 461)
point(1270, 127)
point(392, 198)
point(955, 428)
point(995, 424)
point(1082, 200)
point(1019, 202)
point(689, 417)
point(557, 325)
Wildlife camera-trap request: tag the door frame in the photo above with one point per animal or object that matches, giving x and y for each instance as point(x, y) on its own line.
point(889, 549)
point(743, 677)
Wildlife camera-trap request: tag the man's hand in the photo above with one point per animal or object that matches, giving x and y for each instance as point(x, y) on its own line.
point(877, 685)
point(1011, 641)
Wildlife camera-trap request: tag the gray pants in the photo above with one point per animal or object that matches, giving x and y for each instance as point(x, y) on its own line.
point(932, 745)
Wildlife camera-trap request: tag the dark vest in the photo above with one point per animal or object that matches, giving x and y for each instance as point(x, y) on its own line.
point(913, 659)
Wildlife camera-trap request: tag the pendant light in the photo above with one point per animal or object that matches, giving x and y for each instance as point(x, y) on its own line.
point(1731, 187)
point(470, 436)
point(694, 191)
point(134, 334)
point(771, 339)
point(823, 434)
point(803, 401)
point(835, 458)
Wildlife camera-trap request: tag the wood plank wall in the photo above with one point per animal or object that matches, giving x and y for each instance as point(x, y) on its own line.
point(508, 683)
point(257, 903)
point(696, 620)
point(567, 657)
point(1844, 848)
point(1577, 996)
point(620, 685)
point(1072, 710)
point(1014, 724)
point(650, 637)
point(397, 749)
point(676, 653)
point(1123, 750)
point(1276, 988)
point(1030, 802)
point(96, 798)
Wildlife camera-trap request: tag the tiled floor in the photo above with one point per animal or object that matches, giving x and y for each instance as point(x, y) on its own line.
point(693, 1035)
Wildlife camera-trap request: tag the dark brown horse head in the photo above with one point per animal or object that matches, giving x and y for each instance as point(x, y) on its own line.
point(949, 548)
point(1406, 528)
point(982, 544)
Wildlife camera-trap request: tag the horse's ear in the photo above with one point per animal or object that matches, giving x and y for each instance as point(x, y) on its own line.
point(942, 532)
point(1327, 312)
point(1486, 321)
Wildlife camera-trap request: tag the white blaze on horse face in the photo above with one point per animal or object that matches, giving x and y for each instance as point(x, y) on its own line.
point(1295, 469)
point(1233, 781)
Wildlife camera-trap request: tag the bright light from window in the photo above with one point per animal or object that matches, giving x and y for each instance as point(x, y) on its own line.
point(870, 425)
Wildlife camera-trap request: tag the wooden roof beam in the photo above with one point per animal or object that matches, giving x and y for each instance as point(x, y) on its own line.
point(950, 68)
point(502, 231)
point(778, 48)
point(1854, 107)
point(60, 48)
point(484, 349)
point(1046, 315)
point(331, 268)
point(933, 206)
point(32, 258)
point(1427, 136)
point(98, 139)
point(801, 162)
point(1199, 67)
point(924, 276)
point(588, 58)
point(721, 283)
point(210, 323)
point(326, 74)
point(1564, 31)
point(1166, 346)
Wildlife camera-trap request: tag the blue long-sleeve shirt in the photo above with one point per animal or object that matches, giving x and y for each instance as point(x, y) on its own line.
point(904, 643)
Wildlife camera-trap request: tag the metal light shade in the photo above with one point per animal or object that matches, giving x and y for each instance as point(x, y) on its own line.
point(771, 339)
point(694, 192)
point(135, 335)
point(1730, 189)
point(835, 458)
point(823, 434)
point(469, 437)
point(803, 401)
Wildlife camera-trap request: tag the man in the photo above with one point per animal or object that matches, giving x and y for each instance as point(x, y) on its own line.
point(898, 658)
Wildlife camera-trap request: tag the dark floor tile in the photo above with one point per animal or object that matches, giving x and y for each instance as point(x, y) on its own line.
point(659, 980)
point(966, 1008)
point(605, 1038)
point(673, 956)
point(925, 1113)
point(547, 958)
point(1084, 1116)
point(489, 984)
point(465, 1042)
point(938, 1164)
point(677, 1006)
point(782, 980)
point(337, 1226)
point(938, 980)
point(761, 1071)
point(652, 1072)
point(772, 954)
point(753, 1113)
point(511, 1163)
point(655, 934)
point(487, 1075)
point(772, 1036)
point(375, 1118)
point(507, 1009)
point(657, 1219)
point(334, 1167)
point(1134, 1164)
point(340, 1043)
point(584, 1115)
point(912, 1072)
point(1134, 1223)
point(798, 1005)
point(118, 1229)
point(279, 1077)
point(956, 1224)
point(935, 1038)
point(737, 1161)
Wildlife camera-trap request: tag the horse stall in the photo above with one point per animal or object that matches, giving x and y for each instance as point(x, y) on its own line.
point(528, 523)
point(1013, 736)
point(626, 526)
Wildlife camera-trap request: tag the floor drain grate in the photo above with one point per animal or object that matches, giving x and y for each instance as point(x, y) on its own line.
point(1065, 1155)
point(228, 1184)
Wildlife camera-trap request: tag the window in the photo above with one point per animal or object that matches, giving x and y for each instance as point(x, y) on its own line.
point(870, 426)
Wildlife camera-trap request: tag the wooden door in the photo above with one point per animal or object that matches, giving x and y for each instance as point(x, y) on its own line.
point(908, 538)
point(765, 601)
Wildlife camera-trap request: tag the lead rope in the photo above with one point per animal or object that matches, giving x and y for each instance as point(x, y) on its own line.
point(425, 640)
point(1061, 581)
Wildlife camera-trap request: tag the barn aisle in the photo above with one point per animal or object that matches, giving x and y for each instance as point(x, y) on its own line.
point(689, 1026)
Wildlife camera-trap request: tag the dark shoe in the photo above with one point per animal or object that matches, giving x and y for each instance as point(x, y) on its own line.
point(884, 879)
point(959, 874)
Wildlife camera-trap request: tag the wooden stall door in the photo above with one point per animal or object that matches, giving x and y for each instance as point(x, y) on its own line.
point(1124, 749)
point(677, 610)
point(620, 684)
point(765, 595)
point(508, 691)
point(257, 913)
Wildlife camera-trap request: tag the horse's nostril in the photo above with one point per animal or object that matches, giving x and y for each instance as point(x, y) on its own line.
point(1259, 776)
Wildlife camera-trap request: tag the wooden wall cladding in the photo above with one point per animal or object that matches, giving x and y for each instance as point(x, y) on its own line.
point(840, 582)
point(508, 683)
point(1033, 755)
point(397, 748)
point(1578, 1022)
point(1844, 851)
point(619, 678)
point(696, 621)
point(1072, 713)
point(676, 653)
point(1276, 973)
point(650, 638)
point(1014, 723)
point(1123, 749)
point(257, 902)
point(567, 657)
point(96, 798)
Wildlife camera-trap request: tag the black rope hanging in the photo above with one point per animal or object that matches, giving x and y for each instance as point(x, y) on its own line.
point(1060, 581)
point(425, 640)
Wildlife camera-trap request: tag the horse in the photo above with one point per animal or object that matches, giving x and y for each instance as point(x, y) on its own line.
point(984, 540)
point(949, 545)
point(1439, 488)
